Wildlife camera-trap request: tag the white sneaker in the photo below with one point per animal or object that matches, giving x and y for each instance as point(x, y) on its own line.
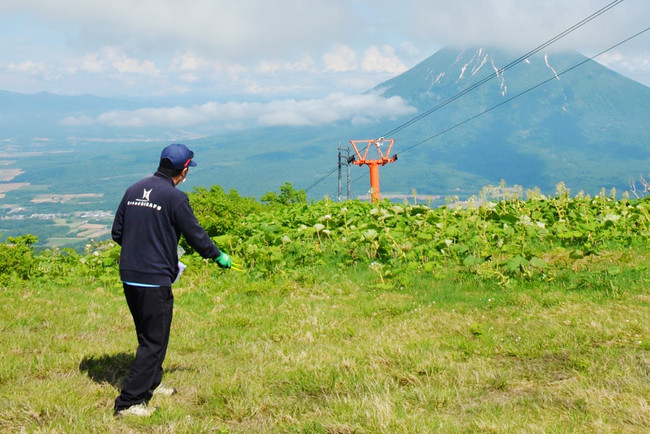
point(141, 410)
point(164, 390)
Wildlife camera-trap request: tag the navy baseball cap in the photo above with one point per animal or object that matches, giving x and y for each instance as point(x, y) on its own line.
point(179, 155)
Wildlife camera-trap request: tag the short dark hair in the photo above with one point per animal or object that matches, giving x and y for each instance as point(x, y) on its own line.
point(166, 168)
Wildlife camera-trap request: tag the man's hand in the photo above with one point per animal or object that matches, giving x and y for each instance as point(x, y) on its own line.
point(223, 260)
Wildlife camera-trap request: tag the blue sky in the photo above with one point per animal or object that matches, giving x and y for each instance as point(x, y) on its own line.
point(251, 58)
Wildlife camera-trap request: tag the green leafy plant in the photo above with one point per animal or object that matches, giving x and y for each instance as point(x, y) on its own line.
point(17, 257)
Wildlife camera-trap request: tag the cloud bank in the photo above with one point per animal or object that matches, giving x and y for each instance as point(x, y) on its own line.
point(359, 109)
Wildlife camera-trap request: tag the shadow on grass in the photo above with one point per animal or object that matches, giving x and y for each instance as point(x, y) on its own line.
point(112, 368)
point(109, 368)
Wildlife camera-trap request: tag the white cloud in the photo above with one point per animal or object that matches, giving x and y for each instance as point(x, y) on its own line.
point(642, 63)
point(235, 70)
point(335, 107)
point(190, 62)
point(636, 67)
point(615, 59)
point(29, 67)
point(109, 60)
point(172, 117)
point(218, 28)
point(305, 63)
point(307, 48)
point(611, 57)
point(255, 88)
point(341, 59)
point(92, 63)
point(77, 121)
point(135, 66)
point(524, 24)
point(124, 64)
point(382, 59)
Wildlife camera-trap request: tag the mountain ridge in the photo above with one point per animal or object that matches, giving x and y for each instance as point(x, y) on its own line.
point(595, 110)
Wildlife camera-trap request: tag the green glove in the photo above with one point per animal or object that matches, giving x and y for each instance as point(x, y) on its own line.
point(223, 260)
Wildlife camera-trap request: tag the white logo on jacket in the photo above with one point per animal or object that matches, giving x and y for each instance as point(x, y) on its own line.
point(145, 201)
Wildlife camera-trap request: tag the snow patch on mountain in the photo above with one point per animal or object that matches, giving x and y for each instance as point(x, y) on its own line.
point(551, 68)
point(432, 79)
point(462, 70)
point(502, 79)
point(478, 60)
point(478, 67)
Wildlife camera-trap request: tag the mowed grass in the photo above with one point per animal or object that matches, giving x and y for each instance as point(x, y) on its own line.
point(333, 350)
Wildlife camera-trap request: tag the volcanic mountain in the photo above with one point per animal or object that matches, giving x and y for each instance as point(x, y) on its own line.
point(549, 118)
point(553, 117)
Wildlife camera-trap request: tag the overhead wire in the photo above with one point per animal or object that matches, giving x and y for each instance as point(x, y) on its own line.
point(554, 77)
point(323, 178)
point(486, 79)
point(505, 68)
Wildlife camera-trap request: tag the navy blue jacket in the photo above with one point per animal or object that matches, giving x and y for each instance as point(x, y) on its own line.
point(148, 225)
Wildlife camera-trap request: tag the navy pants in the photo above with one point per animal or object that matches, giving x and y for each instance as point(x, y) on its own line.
point(151, 309)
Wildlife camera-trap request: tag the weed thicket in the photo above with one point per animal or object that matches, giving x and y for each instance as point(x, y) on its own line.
point(498, 236)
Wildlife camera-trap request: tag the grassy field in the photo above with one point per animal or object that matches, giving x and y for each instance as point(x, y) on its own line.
point(333, 350)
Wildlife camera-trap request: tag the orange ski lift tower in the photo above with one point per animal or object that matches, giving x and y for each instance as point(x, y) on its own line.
point(376, 159)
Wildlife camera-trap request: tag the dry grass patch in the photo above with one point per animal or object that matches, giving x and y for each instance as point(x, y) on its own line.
point(63, 198)
point(9, 174)
point(5, 188)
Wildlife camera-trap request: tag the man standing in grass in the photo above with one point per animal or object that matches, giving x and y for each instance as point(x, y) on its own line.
point(149, 221)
